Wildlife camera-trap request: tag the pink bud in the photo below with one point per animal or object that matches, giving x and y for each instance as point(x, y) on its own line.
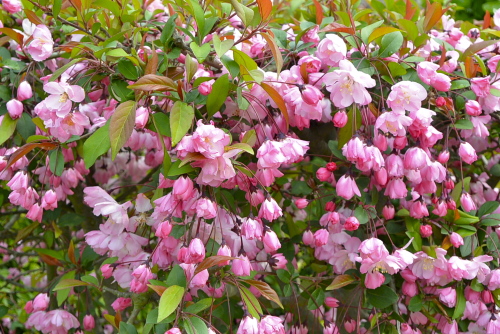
point(381, 176)
point(182, 255)
point(331, 166)
point(49, 200)
point(15, 108)
point(323, 174)
point(451, 204)
point(400, 142)
point(440, 101)
point(471, 295)
point(311, 95)
point(35, 213)
point(340, 119)
point(443, 157)
point(448, 296)
point(487, 297)
point(473, 108)
point(409, 289)
point(107, 271)
point(183, 188)
point(467, 202)
point(88, 322)
point(164, 229)
point(241, 266)
point(278, 261)
point(331, 302)
point(380, 141)
point(330, 206)
point(271, 242)
point(301, 203)
point(308, 238)
point(29, 307)
point(351, 224)
point(388, 211)
point(448, 183)
point(456, 240)
point(196, 251)
point(425, 231)
point(350, 325)
point(467, 152)
point(174, 330)
point(205, 88)
point(406, 329)
point(141, 117)
point(24, 91)
point(321, 237)
point(224, 250)
point(41, 302)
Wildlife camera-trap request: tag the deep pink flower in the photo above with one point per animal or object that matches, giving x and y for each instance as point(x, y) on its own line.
point(351, 224)
point(348, 85)
point(388, 211)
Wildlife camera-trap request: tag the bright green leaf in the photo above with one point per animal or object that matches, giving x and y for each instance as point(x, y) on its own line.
point(218, 95)
point(169, 301)
point(96, 145)
point(121, 125)
point(181, 119)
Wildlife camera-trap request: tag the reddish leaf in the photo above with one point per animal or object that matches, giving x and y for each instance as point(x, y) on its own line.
point(277, 99)
point(487, 20)
point(152, 64)
point(303, 72)
point(158, 289)
point(152, 82)
point(319, 12)
point(211, 261)
point(25, 149)
point(278, 58)
point(265, 8)
point(337, 27)
point(32, 16)
point(51, 261)
point(433, 15)
point(69, 283)
point(13, 34)
point(410, 10)
point(340, 281)
point(71, 252)
point(265, 290)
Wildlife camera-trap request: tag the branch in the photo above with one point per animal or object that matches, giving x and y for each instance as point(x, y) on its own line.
point(27, 288)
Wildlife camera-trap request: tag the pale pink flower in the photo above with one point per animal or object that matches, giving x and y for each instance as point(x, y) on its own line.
point(24, 91)
point(270, 210)
point(406, 95)
point(467, 202)
point(467, 152)
point(427, 73)
point(480, 86)
point(15, 108)
point(393, 122)
point(271, 242)
point(215, 171)
point(271, 325)
point(41, 302)
point(346, 187)
point(12, 6)
point(41, 46)
point(209, 140)
point(49, 200)
point(104, 204)
point(348, 85)
point(121, 304)
point(270, 155)
point(331, 50)
point(248, 325)
point(88, 322)
point(62, 96)
point(59, 322)
point(241, 266)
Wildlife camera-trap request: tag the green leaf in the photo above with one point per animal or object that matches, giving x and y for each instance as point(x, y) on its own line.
point(495, 92)
point(390, 44)
point(25, 126)
point(128, 69)
point(251, 302)
point(3, 311)
point(409, 27)
point(284, 275)
point(201, 52)
point(199, 306)
point(221, 47)
point(175, 170)
point(367, 31)
point(56, 162)
point(108, 4)
point(7, 128)
point(162, 122)
point(127, 328)
point(176, 277)
point(218, 95)
point(346, 133)
point(241, 146)
point(64, 293)
point(464, 124)
point(69, 283)
point(333, 145)
point(96, 145)
point(459, 84)
point(317, 299)
point(340, 281)
point(396, 69)
point(118, 53)
point(169, 301)
point(168, 29)
point(361, 214)
point(381, 297)
point(488, 208)
point(56, 8)
point(460, 305)
point(63, 69)
point(415, 303)
point(181, 119)
point(194, 325)
point(491, 220)
point(119, 91)
point(243, 12)
point(121, 125)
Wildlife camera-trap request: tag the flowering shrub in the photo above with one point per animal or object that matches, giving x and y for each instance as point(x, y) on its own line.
point(250, 167)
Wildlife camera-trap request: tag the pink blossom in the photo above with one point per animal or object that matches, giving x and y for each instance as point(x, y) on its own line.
point(427, 73)
point(340, 119)
point(301, 203)
point(278, 261)
point(104, 204)
point(24, 91)
point(41, 302)
point(206, 208)
point(35, 213)
point(493, 61)
point(248, 325)
point(467, 152)
point(209, 140)
point(174, 330)
point(241, 266)
point(393, 122)
point(473, 108)
point(107, 270)
point(121, 304)
point(456, 240)
point(388, 211)
point(270, 155)
point(348, 85)
point(271, 325)
point(61, 97)
point(467, 202)
point(480, 86)
point(41, 46)
point(270, 210)
point(347, 187)
point(406, 95)
point(49, 200)
point(312, 64)
point(271, 242)
point(15, 108)
point(196, 251)
point(331, 50)
point(351, 224)
point(331, 302)
point(88, 322)
point(323, 174)
point(59, 322)
point(12, 6)
point(215, 171)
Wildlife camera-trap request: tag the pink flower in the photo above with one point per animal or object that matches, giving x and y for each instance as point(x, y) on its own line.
point(340, 119)
point(427, 73)
point(393, 122)
point(323, 174)
point(270, 210)
point(467, 153)
point(331, 302)
point(105, 205)
point(271, 242)
point(473, 108)
point(215, 171)
point(248, 325)
point(425, 231)
point(347, 187)
point(448, 296)
point(59, 322)
point(467, 202)
point(493, 61)
point(406, 95)
point(49, 200)
point(351, 224)
point(348, 85)
point(301, 203)
point(224, 250)
point(12, 6)
point(271, 325)
point(388, 211)
point(88, 322)
point(416, 158)
point(121, 303)
point(107, 270)
point(418, 209)
point(205, 208)
point(15, 108)
point(62, 96)
point(41, 302)
point(209, 140)
point(331, 50)
point(196, 251)
point(174, 330)
point(24, 91)
point(241, 266)
point(41, 46)
point(35, 213)
point(456, 240)
point(278, 261)
point(164, 229)
point(270, 155)
point(480, 86)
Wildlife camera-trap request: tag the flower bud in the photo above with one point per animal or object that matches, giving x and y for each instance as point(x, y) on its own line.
point(451, 204)
point(271, 242)
point(24, 91)
point(241, 266)
point(400, 142)
point(351, 224)
point(487, 297)
point(440, 101)
point(321, 237)
point(164, 229)
point(301, 203)
point(443, 157)
point(323, 174)
point(388, 211)
point(331, 302)
point(224, 250)
point(425, 231)
point(308, 238)
point(88, 322)
point(107, 271)
point(196, 251)
point(41, 302)
point(456, 240)
point(331, 166)
point(15, 108)
point(467, 202)
point(340, 119)
point(330, 206)
point(473, 108)
point(467, 153)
